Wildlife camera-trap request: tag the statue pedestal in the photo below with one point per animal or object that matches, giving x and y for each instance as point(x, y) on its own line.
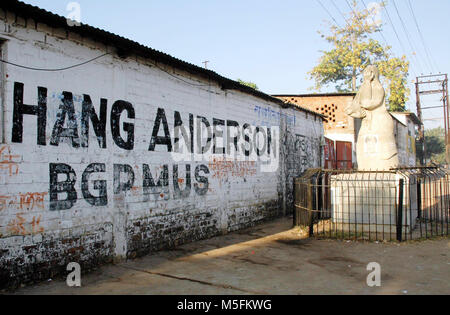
point(361, 202)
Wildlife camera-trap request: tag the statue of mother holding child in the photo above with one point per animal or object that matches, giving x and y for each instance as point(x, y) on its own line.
point(376, 147)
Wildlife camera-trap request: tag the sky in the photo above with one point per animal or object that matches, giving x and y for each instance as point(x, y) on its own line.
point(273, 43)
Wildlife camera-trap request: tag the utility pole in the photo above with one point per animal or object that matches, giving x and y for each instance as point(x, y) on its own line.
point(439, 85)
point(206, 64)
point(421, 140)
point(447, 123)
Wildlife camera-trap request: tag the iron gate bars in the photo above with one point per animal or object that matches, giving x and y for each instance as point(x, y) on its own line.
point(400, 204)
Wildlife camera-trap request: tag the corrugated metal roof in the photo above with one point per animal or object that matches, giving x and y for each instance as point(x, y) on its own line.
point(127, 46)
point(316, 94)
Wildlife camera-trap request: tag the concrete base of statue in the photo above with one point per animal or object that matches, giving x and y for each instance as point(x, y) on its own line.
point(361, 202)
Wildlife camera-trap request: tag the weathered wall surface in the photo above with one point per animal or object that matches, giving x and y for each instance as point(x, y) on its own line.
point(303, 151)
point(405, 135)
point(92, 169)
point(331, 106)
point(338, 125)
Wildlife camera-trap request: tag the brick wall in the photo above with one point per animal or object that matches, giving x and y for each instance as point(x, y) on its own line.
point(90, 169)
point(338, 125)
point(332, 107)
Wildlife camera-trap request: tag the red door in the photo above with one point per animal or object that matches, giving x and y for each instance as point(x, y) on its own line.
point(344, 155)
point(330, 155)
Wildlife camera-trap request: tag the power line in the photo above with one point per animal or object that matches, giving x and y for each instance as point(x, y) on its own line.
point(427, 52)
point(350, 7)
point(343, 16)
point(398, 37)
point(326, 10)
point(384, 38)
point(359, 19)
point(395, 31)
point(407, 35)
point(52, 70)
point(89, 61)
point(381, 30)
point(356, 15)
point(340, 12)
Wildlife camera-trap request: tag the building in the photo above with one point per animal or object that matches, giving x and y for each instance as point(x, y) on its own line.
point(111, 150)
point(407, 125)
point(341, 130)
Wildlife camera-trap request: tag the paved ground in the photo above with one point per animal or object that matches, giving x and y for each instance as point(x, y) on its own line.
point(272, 259)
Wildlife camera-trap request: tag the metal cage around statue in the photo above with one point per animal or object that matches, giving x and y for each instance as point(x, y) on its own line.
point(400, 204)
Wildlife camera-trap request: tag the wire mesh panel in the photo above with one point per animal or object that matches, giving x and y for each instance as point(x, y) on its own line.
point(401, 204)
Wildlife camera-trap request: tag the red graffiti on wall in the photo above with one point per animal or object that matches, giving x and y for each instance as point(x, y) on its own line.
point(22, 203)
point(27, 201)
point(20, 226)
point(8, 161)
point(224, 168)
point(31, 201)
point(17, 226)
point(35, 224)
point(4, 202)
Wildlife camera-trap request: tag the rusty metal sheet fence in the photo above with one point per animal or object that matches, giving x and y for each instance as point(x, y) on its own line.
point(401, 204)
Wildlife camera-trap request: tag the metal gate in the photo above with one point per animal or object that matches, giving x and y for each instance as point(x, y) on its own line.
point(401, 204)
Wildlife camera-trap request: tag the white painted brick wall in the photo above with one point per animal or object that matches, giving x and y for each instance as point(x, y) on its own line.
point(128, 226)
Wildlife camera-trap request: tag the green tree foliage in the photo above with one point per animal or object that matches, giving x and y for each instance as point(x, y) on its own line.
point(249, 84)
point(353, 49)
point(435, 145)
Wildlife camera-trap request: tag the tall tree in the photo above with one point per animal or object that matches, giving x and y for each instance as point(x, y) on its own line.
point(353, 49)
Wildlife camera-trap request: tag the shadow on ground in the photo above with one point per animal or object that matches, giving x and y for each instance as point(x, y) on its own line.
point(272, 258)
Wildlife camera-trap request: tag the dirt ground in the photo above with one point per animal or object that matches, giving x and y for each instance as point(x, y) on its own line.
point(272, 259)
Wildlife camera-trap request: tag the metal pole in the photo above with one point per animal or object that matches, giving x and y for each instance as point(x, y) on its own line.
point(421, 128)
point(400, 211)
point(295, 204)
point(309, 201)
point(447, 121)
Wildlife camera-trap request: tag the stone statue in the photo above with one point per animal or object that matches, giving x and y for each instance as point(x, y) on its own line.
point(376, 148)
